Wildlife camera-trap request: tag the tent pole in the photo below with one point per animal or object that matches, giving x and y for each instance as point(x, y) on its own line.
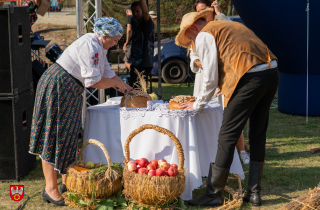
point(307, 102)
point(159, 50)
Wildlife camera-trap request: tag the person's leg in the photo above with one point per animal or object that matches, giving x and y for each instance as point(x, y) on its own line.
point(63, 187)
point(50, 176)
point(133, 76)
point(257, 129)
point(64, 178)
point(240, 143)
point(240, 106)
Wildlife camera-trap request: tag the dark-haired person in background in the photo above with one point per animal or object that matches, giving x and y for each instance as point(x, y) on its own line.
point(127, 45)
point(142, 40)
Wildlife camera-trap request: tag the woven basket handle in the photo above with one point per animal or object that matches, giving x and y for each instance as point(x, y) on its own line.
point(160, 130)
point(99, 144)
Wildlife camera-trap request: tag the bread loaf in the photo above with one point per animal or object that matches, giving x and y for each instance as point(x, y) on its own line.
point(175, 102)
point(135, 99)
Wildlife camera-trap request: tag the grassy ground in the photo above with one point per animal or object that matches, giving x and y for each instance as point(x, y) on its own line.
point(290, 169)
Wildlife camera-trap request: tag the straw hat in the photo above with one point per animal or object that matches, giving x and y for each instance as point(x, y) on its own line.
point(187, 20)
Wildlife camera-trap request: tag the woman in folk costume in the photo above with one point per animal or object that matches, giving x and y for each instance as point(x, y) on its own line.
point(196, 66)
point(58, 104)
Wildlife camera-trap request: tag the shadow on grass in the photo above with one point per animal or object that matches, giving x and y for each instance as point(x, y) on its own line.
point(53, 29)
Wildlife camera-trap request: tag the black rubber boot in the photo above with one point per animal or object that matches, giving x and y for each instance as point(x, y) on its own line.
point(254, 184)
point(217, 179)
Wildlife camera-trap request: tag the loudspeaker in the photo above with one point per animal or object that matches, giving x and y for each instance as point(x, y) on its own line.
point(15, 53)
point(15, 126)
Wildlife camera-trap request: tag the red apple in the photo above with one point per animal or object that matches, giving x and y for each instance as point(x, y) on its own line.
point(154, 162)
point(137, 168)
point(152, 173)
point(142, 171)
point(161, 161)
point(143, 162)
point(166, 173)
point(151, 167)
point(136, 161)
point(131, 166)
point(165, 166)
point(172, 171)
point(130, 162)
point(173, 166)
point(160, 172)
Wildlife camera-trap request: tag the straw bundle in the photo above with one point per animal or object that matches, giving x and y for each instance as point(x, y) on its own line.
point(138, 97)
point(148, 190)
point(95, 182)
point(230, 204)
point(307, 201)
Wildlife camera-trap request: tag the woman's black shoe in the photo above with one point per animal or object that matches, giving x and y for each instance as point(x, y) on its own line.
point(63, 188)
point(47, 199)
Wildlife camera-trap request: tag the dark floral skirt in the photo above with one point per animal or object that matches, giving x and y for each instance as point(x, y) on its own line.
point(56, 118)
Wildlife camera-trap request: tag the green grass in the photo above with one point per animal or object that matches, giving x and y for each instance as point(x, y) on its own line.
point(169, 90)
point(289, 171)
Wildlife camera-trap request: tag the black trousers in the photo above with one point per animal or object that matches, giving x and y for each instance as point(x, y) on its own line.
point(133, 75)
point(249, 103)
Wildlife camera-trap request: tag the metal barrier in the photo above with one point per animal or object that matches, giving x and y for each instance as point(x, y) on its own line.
point(81, 24)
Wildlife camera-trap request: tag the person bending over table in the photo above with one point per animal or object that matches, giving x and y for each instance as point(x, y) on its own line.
point(196, 67)
point(241, 65)
point(58, 104)
point(142, 41)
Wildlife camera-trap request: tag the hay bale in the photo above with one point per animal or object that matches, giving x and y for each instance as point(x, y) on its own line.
point(102, 182)
point(307, 201)
point(154, 191)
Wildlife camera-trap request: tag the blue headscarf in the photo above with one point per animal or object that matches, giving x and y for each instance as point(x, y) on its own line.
point(108, 26)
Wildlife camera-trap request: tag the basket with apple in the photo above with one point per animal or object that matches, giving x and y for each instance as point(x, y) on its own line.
point(94, 180)
point(156, 182)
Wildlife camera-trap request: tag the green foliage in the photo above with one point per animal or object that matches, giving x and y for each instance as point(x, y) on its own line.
point(181, 204)
point(73, 197)
point(171, 12)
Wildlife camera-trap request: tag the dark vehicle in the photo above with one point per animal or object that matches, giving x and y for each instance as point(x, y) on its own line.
point(174, 61)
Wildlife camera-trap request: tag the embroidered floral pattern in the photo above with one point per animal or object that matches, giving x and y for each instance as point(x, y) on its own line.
point(95, 59)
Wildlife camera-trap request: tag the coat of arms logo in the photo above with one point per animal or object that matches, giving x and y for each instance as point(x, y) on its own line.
point(16, 192)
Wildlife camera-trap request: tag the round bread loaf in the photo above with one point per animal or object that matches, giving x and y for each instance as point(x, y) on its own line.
point(135, 101)
point(175, 102)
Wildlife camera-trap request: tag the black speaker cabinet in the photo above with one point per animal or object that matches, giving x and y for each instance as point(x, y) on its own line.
point(15, 126)
point(15, 53)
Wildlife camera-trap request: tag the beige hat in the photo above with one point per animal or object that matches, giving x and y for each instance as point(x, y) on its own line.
point(152, 14)
point(187, 20)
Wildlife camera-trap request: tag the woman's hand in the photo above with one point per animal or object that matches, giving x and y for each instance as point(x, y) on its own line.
point(186, 105)
point(216, 7)
point(122, 86)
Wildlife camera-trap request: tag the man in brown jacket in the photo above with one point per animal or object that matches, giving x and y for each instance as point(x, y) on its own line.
point(246, 72)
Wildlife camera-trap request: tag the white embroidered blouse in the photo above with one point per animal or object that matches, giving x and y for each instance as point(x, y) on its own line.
point(86, 60)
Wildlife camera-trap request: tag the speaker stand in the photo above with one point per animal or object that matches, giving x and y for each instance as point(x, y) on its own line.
point(188, 76)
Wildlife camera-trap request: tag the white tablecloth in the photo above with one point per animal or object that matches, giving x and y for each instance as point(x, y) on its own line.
point(197, 133)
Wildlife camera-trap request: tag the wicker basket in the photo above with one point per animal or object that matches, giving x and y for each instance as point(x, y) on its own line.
point(153, 190)
point(105, 185)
